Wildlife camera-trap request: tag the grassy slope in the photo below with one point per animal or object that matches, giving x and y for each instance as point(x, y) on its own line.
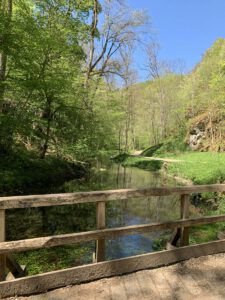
point(199, 167)
point(203, 168)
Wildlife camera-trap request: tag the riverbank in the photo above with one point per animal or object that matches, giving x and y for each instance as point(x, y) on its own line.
point(23, 172)
point(47, 221)
point(189, 168)
point(197, 167)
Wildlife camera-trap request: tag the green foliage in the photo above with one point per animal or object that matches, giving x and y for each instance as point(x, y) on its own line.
point(151, 150)
point(171, 145)
point(205, 233)
point(142, 163)
point(23, 172)
point(221, 205)
point(120, 157)
point(45, 99)
point(170, 106)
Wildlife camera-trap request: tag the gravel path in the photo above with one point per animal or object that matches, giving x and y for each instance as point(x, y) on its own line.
point(200, 278)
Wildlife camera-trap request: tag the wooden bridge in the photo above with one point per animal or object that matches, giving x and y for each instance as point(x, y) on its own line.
point(178, 249)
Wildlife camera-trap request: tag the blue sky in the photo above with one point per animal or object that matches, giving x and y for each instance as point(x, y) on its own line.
point(185, 28)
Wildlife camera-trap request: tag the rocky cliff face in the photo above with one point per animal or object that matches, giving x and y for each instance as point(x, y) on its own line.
point(207, 132)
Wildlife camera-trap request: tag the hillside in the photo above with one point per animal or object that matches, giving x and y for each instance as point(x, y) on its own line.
point(190, 108)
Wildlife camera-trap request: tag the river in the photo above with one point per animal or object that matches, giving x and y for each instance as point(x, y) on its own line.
point(36, 222)
point(108, 175)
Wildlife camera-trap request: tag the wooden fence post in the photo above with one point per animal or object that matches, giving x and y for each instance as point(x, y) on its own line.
point(100, 243)
point(2, 239)
point(184, 210)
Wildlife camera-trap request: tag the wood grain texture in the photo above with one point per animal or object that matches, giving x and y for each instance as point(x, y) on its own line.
point(101, 196)
point(72, 238)
point(100, 224)
point(44, 282)
point(185, 204)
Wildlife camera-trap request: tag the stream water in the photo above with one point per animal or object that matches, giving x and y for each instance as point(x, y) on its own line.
point(36, 222)
point(108, 175)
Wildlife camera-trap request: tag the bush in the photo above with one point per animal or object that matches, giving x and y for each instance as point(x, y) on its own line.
point(142, 163)
point(151, 150)
point(120, 157)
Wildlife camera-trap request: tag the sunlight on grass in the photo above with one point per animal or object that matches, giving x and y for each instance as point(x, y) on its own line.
point(200, 167)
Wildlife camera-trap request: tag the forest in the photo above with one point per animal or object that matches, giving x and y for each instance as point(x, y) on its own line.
point(69, 89)
point(71, 93)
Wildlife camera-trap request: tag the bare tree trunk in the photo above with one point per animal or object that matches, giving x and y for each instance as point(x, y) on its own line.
point(92, 41)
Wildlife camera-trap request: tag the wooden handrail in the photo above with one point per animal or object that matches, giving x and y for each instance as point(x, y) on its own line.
point(101, 233)
point(56, 279)
point(82, 237)
point(102, 196)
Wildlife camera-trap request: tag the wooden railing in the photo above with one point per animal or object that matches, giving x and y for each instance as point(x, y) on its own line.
point(101, 268)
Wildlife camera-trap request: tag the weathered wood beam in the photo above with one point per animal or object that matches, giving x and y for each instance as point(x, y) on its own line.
point(185, 204)
point(100, 224)
point(67, 239)
point(102, 196)
point(44, 282)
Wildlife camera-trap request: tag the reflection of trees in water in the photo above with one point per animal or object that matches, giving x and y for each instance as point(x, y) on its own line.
point(54, 220)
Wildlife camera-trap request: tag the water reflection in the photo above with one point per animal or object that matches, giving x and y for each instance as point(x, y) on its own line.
point(75, 218)
point(135, 211)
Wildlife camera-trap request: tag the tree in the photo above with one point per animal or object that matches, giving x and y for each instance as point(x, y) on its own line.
point(43, 66)
point(5, 24)
point(119, 32)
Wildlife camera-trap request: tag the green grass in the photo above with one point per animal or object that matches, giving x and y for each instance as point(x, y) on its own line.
point(46, 260)
point(199, 167)
point(205, 233)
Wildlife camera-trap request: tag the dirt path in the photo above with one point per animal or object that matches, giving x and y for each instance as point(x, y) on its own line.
point(163, 159)
point(199, 278)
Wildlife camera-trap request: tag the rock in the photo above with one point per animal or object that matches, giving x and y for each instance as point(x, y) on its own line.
point(195, 138)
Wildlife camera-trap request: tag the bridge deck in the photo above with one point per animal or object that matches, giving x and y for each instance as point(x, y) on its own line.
point(203, 278)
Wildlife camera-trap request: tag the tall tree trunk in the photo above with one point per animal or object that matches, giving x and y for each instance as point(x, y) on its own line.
point(44, 147)
point(48, 113)
point(6, 8)
point(6, 130)
point(92, 41)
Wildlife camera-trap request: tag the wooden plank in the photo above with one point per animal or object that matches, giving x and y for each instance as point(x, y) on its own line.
point(102, 196)
point(72, 238)
point(100, 224)
point(221, 235)
point(2, 239)
point(44, 282)
point(184, 233)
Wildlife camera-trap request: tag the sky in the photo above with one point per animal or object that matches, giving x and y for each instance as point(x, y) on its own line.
point(185, 28)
